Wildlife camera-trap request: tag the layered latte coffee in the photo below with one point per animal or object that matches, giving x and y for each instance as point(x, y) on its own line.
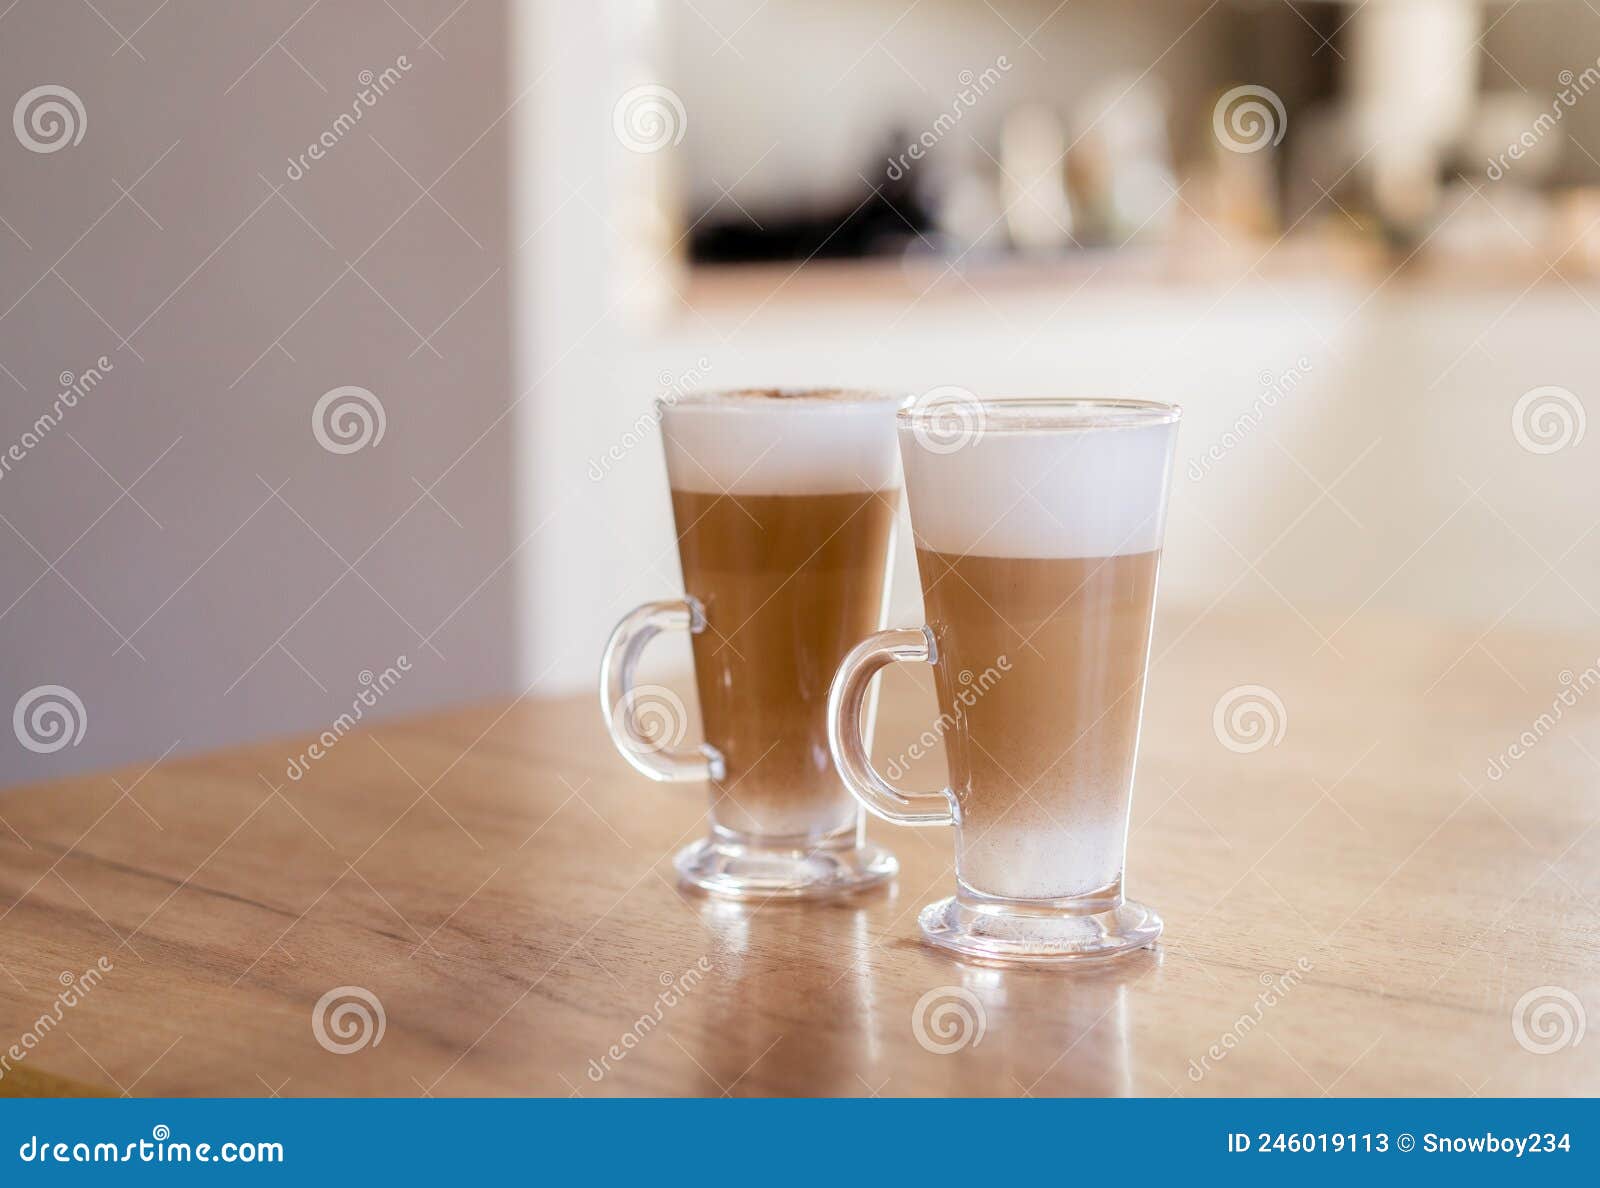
point(1038, 553)
point(785, 507)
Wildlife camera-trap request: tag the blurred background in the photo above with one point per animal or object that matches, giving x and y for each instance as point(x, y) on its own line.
point(329, 333)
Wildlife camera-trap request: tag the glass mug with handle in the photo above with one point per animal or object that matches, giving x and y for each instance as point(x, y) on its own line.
point(1038, 526)
point(785, 504)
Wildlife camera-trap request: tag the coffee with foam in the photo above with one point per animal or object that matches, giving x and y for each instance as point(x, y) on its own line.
point(1020, 490)
point(781, 442)
point(1038, 544)
point(785, 504)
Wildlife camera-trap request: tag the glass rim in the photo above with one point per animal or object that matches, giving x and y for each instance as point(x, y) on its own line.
point(1025, 414)
point(768, 399)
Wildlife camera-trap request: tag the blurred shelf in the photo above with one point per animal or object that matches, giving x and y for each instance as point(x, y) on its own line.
point(931, 277)
point(1200, 267)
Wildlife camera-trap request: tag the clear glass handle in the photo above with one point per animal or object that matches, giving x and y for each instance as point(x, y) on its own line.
point(625, 704)
point(846, 700)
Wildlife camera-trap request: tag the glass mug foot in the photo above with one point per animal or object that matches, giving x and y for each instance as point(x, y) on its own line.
point(1034, 937)
point(741, 870)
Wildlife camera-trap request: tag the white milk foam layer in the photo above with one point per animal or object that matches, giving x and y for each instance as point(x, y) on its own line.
point(782, 443)
point(1068, 492)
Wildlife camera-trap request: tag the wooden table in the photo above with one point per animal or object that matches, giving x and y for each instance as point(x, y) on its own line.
point(501, 883)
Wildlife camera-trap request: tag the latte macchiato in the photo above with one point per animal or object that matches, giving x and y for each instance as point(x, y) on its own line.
point(1038, 527)
point(785, 506)
point(1042, 547)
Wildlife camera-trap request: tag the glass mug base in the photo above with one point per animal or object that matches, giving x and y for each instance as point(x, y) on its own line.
point(737, 866)
point(1003, 935)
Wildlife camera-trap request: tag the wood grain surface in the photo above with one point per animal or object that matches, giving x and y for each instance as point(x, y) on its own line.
point(1355, 908)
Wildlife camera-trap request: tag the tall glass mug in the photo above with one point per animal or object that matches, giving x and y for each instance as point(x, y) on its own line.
point(1038, 527)
point(785, 504)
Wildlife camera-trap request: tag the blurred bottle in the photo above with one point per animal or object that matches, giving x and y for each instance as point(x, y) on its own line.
point(1119, 169)
point(969, 215)
point(1033, 183)
point(647, 193)
point(1412, 79)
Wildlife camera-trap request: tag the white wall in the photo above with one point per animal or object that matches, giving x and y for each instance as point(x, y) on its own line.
point(199, 609)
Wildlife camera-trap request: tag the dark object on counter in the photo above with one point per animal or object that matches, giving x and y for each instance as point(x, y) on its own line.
point(882, 225)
